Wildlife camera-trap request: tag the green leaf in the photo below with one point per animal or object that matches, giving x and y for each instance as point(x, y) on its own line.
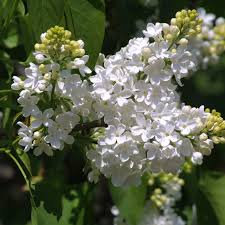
point(21, 8)
point(7, 11)
point(205, 213)
point(6, 117)
point(28, 38)
point(12, 39)
point(130, 202)
point(58, 207)
point(86, 20)
point(44, 14)
point(5, 102)
point(57, 203)
point(211, 203)
point(7, 62)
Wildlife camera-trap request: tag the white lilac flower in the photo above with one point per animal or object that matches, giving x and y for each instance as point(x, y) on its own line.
point(182, 62)
point(156, 72)
point(67, 120)
point(40, 58)
point(58, 134)
point(34, 80)
point(93, 176)
point(53, 98)
point(143, 129)
point(18, 84)
point(152, 150)
point(148, 129)
point(26, 135)
point(191, 120)
point(80, 64)
point(28, 102)
point(165, 134)
point(42, 118)
point(135, 47)
point(43, 148)
point(160, 49)
point(207, 18)
point(153, 30)
point(197, 158)
point(114, 134)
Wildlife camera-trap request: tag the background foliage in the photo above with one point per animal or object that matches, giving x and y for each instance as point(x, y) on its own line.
point(60, 194)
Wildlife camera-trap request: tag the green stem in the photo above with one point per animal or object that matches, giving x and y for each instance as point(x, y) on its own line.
point(23, 174)
point(20, 168)
point(15, 141)
point(6, 91)
point(174, 41)
point(179, 36)
point(52, 94)
point(2, 150)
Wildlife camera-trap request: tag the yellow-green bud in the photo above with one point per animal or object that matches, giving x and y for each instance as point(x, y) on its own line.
point(183, 41)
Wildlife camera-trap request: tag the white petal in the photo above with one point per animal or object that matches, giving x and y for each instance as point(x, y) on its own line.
point(36, 123)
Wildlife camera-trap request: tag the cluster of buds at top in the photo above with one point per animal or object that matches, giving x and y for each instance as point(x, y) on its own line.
point(56, 44)
point(185, 25)
point(188, 22)
point(215, 127)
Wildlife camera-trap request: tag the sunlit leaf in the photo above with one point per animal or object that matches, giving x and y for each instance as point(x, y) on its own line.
point(44, 14)
point(86, 20)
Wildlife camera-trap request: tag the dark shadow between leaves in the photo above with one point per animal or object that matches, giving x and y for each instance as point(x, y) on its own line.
point(98, 4)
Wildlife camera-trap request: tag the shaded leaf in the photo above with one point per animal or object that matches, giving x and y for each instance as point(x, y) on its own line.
point(58, 207)
point(212, 200)
point(21, 8)
point(130, 202)
point(7, 10)
point(28, 38)
point(12, 39)
point(6, 103)
point(86, 20)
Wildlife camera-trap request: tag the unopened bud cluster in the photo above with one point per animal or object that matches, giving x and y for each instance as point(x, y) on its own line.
point(215, 127)
point(188, 22)
point(57, 43)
